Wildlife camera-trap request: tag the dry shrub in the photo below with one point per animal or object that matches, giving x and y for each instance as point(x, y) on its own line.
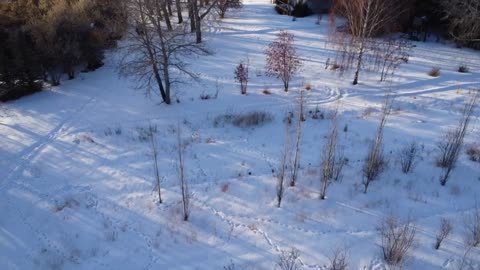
point(225, 187)
point(463, 68)
point(250, 119)
point(266, 91)
point(339, 260)
point(397, 239)
point(446, 228)
point(473, 152)
point(434, 72)
point(472, 227)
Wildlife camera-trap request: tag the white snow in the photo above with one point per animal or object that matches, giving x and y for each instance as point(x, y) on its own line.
point(77, 189)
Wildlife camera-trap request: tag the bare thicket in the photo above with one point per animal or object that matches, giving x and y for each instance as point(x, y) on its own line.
point(376, 162)
point(224, 5)
point(451, 144)
point(181, 175)
point(472, 227)
point(396, 239)
point(339, 260)
point(365, 20)
point(241, 76)
point(153, 147)
point(288, 259)
point(282, 60)
point(446, 228)
point(408, 156)
point(154, 50)
point(281, 174)
point(393, 53)
point(329, 156)
point(462, 18)
point(298, 137)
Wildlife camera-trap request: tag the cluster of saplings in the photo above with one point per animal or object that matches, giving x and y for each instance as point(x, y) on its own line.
point(43, 40)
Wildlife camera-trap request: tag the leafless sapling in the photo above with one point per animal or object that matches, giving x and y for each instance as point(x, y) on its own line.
point(282, 60)
point(376, 162)
point(241, 76)
point(396, 239)
point(408, 156)
point(446, 228)
point(298, 138)
point(154, 151)
point(184, 188)
point(329, 156)
point(281, 174)
point(288, 259)
point(394, 52)
point(451, 144)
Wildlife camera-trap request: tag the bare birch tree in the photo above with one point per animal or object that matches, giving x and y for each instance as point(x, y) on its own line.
point(365, 20)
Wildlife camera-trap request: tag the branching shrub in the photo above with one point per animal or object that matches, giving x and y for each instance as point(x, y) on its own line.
point(408, 157)
point(339, 260)
point(288, 259)
point(241, 76)
point(452, 142)
point(472, 227)
point(396, 239)
point(446, 228)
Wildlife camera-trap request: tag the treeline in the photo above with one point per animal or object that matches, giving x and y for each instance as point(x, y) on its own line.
point(457, 20)
point(43, 40)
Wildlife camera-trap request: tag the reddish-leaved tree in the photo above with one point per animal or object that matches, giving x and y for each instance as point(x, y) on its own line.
point(282, 58)
point(241, 76)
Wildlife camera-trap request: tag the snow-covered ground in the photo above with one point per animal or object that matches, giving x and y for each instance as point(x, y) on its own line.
point(76, 182)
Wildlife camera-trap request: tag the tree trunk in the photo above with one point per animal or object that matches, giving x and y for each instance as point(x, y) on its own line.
point(191, 15)
point(179, 11)
point(167, 17)
point(169, 7)
point(198, 20)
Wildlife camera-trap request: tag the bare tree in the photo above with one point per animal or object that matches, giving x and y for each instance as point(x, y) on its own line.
point(181, 175)
point(197, 14)
point(329, 153)
point(298, 138)
point(451, 145)
point(338, 260)
point(241, 76)
point(153, 54)
point(396, 239)
point(152, 130)
point(446, 228)
point(365, 20)
point(376, 162)
point(288, 259)
point(462, 17)
point(408, 156)
point(281, 174)
point(282, 58)
point(178, 6)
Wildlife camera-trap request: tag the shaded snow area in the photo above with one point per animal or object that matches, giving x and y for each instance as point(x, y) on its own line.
point(77, 188)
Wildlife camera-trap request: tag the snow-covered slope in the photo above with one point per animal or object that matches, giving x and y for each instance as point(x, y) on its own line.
point(77, 189)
